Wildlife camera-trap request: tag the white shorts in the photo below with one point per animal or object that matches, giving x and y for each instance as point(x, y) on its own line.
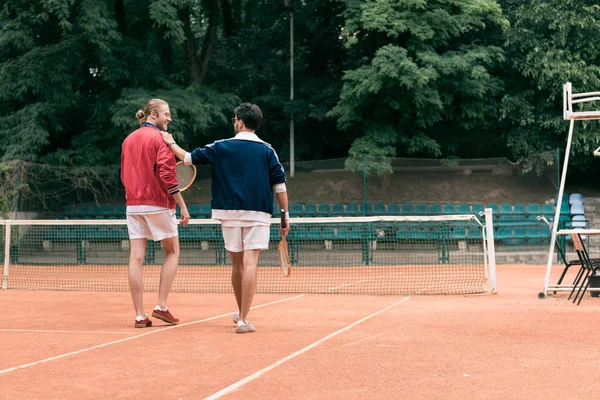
point(241, 238)
point(156, 226)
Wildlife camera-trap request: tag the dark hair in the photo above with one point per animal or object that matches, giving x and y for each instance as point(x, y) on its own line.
point(250, 114)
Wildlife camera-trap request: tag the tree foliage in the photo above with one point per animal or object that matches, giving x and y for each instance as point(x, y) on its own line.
point(376, 78)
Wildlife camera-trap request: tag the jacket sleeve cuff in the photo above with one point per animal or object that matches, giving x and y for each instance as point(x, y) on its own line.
point(187, 159)
point(280, 188)
point(174, 189)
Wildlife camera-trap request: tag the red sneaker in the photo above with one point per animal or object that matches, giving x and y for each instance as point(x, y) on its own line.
point(165, 316)
point(145, 323)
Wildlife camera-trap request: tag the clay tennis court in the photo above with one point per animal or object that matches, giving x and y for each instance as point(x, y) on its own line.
point(74, 345)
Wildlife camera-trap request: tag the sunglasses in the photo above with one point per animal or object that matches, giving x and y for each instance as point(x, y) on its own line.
point(234, 119)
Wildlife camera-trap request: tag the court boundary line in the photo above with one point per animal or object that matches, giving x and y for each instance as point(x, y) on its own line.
point(62, 331)
point(227, 390)
point(31, 364)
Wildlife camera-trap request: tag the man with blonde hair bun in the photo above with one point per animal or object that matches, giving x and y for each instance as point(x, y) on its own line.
point(151, 193)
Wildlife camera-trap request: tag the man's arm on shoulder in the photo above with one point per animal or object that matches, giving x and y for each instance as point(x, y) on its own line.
point(178, 151)
point(202, 156)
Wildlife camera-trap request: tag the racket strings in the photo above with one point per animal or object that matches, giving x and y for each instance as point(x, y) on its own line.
point(284, 258)
point(185, 175)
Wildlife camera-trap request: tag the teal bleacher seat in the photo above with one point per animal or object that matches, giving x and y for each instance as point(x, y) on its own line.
point(464, 209)
point(506, 209)
point(351, 210)
point(365, 209)
point(95, 210)
point(206, 211)
point(564, 222)
point(494, 207)
point(337, 210)
point(69, 211)
point(310, 210)
point(450, 209)
point(520, 209)
point(379, 209)
point(393, 209)
point(194, 210)
point(477, 208)
point(407, 209)
point(106, 210)
point(297, 210)
point(121, 211)
point(474, 234)
point(277, 211)
point(513, 220)
point(534, 209)
point(402, 232)
point(350, 232)
point(564, 209)
point(419, 233)
point(537, 236)
point(519, 237)
point(324, 210)
point(459, 233)
point(434, 209)
point(420, 209)
point(81, 211)
point(548, 210)
point(504, 233)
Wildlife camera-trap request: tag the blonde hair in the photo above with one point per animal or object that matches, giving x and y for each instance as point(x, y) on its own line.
point(152, 105)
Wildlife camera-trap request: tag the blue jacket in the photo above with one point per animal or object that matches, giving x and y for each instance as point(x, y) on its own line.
point(244, 171)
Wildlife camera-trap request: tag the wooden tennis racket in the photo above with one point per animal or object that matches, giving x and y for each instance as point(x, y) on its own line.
point(282, 251)
point(185, 175)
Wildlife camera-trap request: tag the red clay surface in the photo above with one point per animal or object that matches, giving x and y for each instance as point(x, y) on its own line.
point(509, 346)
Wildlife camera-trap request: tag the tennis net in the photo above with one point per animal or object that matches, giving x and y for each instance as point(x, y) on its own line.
point(448, 254)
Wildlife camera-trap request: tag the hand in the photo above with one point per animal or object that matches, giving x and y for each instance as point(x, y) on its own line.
point(167, 137)
point(185, 217)
point(284, 231)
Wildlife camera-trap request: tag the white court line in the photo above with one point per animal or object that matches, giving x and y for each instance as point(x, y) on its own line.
point(136, 337)
point(263, 371)
point(50, 331)
point(348, 284)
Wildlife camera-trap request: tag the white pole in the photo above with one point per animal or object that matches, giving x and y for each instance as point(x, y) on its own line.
point(489, 229)
point(6, 255)
point(292, 149)
point(561, 190)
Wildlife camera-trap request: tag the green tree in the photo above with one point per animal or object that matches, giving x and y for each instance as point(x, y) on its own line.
point(73, 74)
point(549, 43)
point(424, 74)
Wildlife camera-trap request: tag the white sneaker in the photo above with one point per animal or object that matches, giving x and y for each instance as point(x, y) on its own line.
point(244, 328)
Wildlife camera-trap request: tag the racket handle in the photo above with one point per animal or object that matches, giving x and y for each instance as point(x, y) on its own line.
point(283, 220)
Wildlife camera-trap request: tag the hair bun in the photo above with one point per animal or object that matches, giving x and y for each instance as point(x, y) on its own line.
point(140, 115)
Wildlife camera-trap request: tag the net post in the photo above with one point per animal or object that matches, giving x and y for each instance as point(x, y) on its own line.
point(6, 255)
point(491, 253)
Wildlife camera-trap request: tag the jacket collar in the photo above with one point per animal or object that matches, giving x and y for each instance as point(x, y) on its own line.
point(248, 136)
point(150, 124)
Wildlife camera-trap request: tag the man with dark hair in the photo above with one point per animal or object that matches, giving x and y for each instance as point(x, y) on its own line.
point(245, 173)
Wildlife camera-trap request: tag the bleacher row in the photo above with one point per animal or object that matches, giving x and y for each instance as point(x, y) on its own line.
point(503, 213)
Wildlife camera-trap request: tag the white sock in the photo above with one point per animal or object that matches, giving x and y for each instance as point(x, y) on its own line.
point(240, 323)
point(141, 317)
point(160, 309)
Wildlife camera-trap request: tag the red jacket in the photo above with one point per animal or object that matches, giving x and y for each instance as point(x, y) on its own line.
point(148, 169)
